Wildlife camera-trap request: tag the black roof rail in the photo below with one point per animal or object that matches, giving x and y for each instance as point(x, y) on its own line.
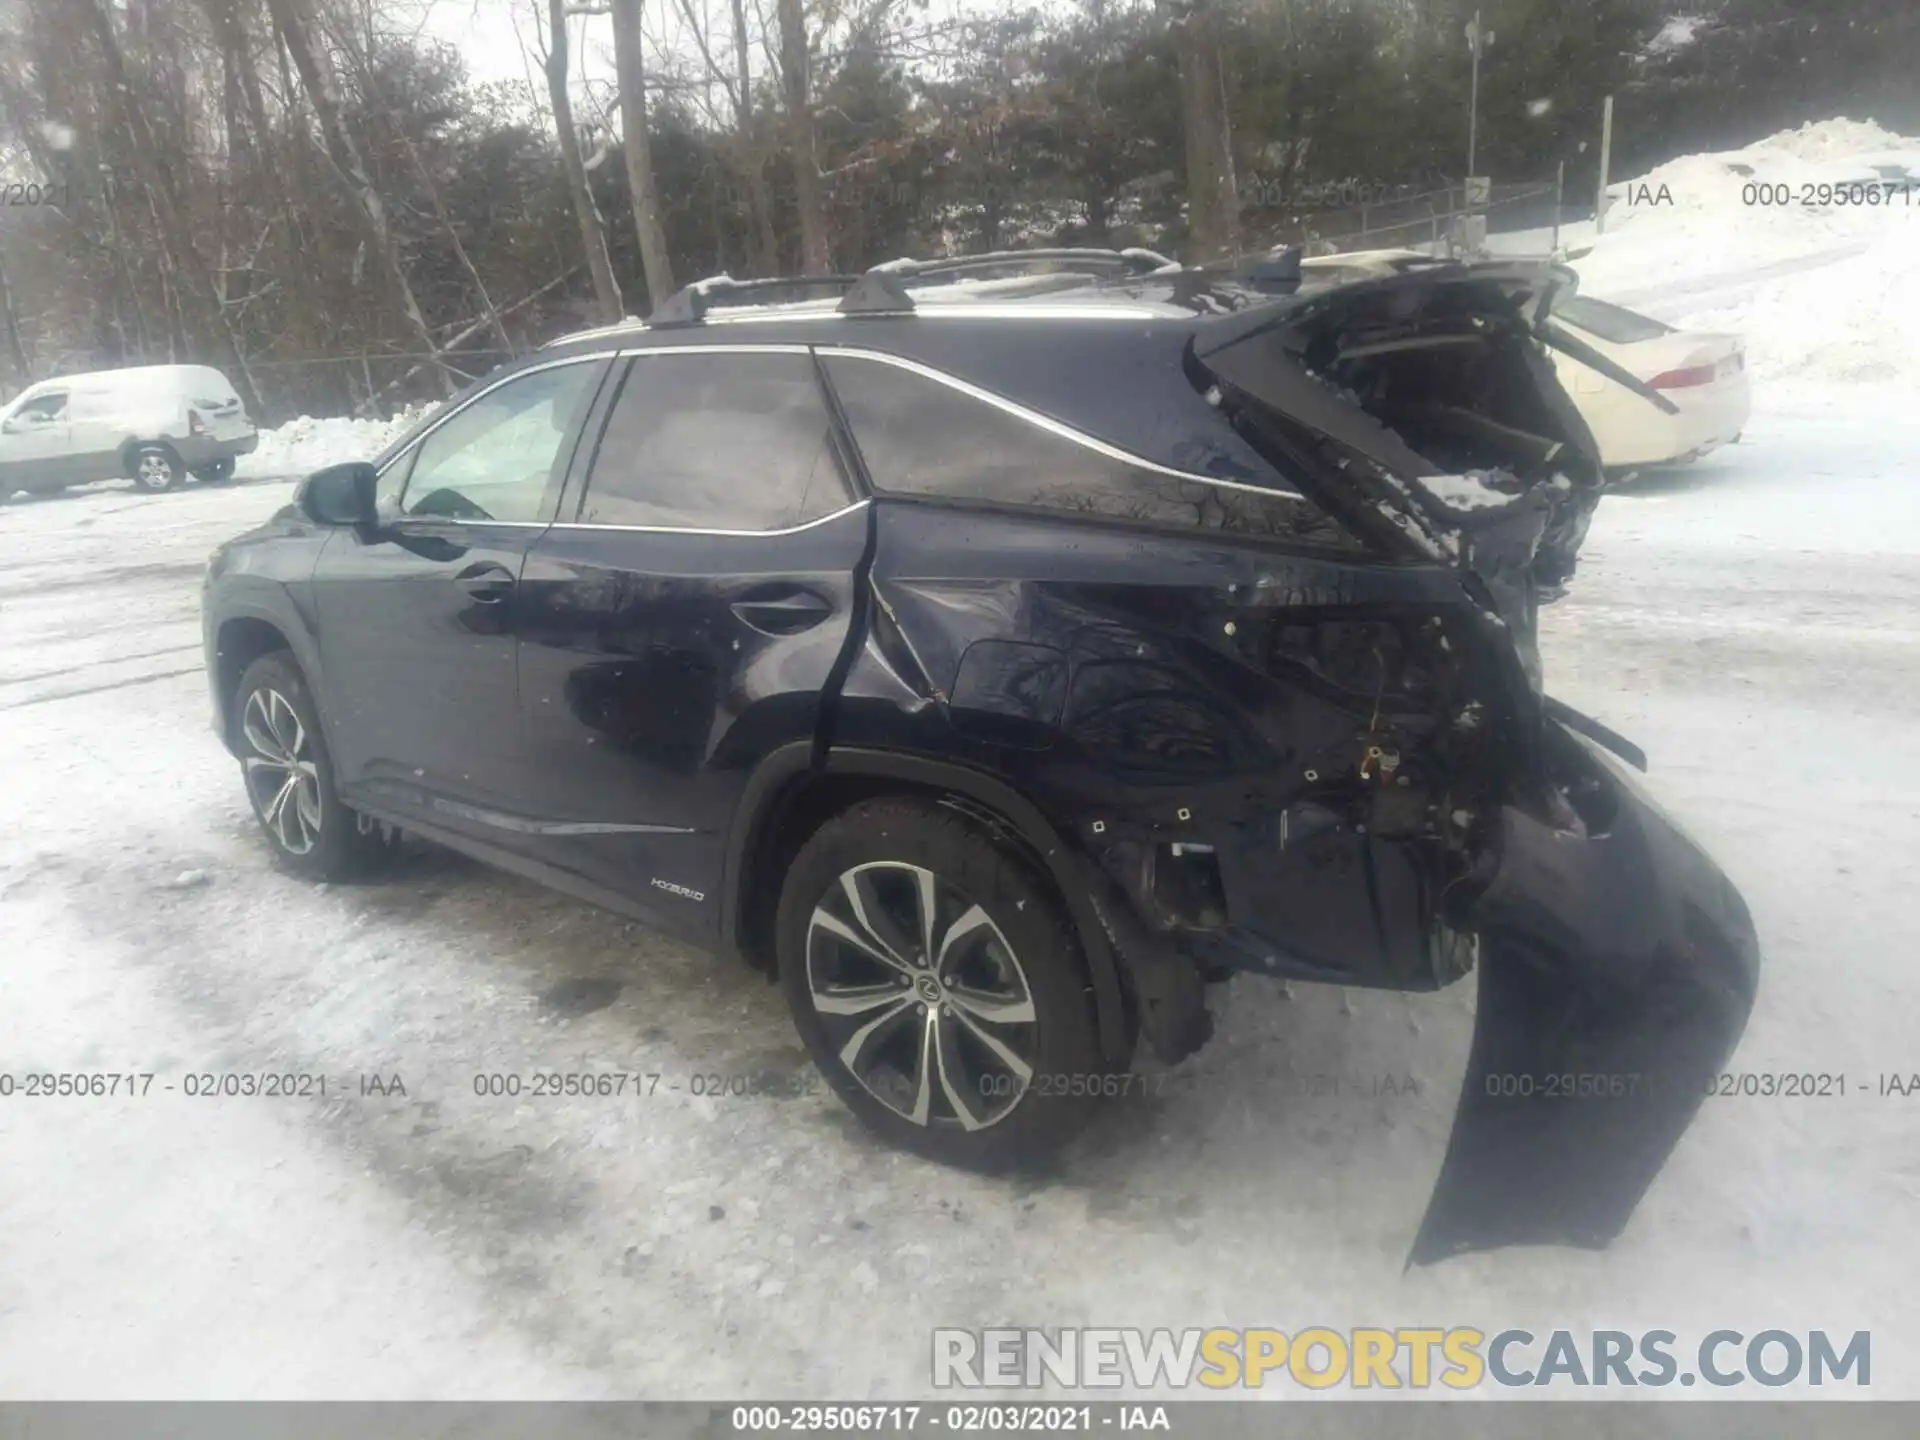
point(689, 305)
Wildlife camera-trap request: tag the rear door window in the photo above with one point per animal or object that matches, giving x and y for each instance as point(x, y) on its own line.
point(923, 435)
point(499, 457)
point(721, 441)
point(1609, 322)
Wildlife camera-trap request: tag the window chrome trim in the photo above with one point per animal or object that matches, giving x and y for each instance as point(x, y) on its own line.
point(999, 402)
point(401, 522)
point(842, 512)
point(640, 352)
point(1049, 424)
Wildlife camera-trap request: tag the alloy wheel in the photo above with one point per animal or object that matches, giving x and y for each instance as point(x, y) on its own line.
point(921, 996)
point(153, 470)
point(282, 779)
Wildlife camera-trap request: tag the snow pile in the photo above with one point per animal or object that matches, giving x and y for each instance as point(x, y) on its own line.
point(1679, 32)
point(1475, 490)
point(1822, 283)
point(305, 444)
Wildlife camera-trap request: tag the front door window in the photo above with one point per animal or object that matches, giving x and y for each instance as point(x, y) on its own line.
point(501, 456)
point(39, 411)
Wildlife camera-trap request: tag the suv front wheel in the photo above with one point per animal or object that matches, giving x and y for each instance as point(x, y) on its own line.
point(938, 986)
point(289, 779)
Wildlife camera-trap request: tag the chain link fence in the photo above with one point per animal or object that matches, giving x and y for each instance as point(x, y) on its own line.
point(368, 383)
point(1440, 220)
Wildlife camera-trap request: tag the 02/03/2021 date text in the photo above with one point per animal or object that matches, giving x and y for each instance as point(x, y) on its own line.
point(35, 192)
point(195, 1084)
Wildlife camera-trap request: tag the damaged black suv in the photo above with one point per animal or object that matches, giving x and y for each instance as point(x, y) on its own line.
point(998, 651)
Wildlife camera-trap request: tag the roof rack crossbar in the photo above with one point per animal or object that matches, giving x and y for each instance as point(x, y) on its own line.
point(689, 305)
point(882, 290)
point(1137, 262)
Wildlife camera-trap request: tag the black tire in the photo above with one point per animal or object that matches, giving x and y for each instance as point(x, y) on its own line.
point(340, 844)
point(154, 467)
point(214, 472)
point(886, 846)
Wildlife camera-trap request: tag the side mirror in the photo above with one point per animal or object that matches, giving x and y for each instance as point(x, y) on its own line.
point(339, 494)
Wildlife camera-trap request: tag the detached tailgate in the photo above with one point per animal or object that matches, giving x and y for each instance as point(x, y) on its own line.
point(1424, 411)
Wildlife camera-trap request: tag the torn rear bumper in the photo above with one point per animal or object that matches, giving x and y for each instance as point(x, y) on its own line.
point(1618, 966)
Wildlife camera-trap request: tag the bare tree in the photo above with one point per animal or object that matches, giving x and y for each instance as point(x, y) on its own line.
point(41, 83)
point(744, 149)
point(1213, 203)
point(179, 254)
point(16, 351)
point(356, 50)
point(291, 21)
point(593, 231)
point(759, 201)
point(808, 192)
point(630, 62)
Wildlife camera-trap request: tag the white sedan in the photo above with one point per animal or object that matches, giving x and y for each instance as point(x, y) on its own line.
point(1692, 396)
point(1703, 375)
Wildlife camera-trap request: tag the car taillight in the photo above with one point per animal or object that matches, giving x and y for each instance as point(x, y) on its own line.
point(1681, 379)
point(195, 425)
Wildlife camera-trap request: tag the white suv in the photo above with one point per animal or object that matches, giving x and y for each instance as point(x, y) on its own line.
point(152, 423)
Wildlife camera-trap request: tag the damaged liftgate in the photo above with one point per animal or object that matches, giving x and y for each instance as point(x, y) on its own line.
point(1617, 963)
point(1381, 792)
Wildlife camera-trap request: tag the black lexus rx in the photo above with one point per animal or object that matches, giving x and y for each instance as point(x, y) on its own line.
point(998, 653)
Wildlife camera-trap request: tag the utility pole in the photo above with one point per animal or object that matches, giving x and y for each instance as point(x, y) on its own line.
point(1606, 159)
point(1476, 198)
point(1477, 40)
point(1559, 200)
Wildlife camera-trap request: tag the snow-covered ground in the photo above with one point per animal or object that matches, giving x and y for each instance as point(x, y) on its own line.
point(1753, 621)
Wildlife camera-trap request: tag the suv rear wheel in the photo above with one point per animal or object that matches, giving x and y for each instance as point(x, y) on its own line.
point(155, 467)
point(289, 779)
point(214, 471)
point(938, 985)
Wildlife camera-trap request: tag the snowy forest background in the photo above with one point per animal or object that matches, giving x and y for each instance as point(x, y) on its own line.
point(315, 195)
